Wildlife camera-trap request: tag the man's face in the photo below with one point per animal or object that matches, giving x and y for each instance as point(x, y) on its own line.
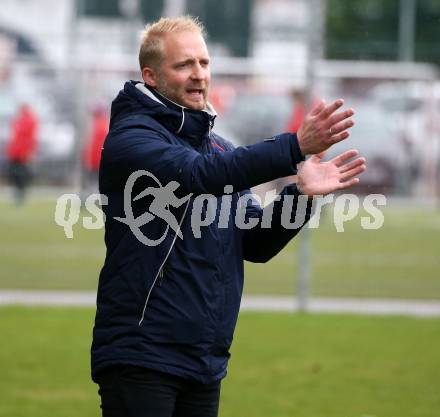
point(183, 76)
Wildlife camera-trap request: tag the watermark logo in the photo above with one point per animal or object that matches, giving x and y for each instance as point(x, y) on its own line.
point(164, 197)
point(248, 212)
point(68, 210)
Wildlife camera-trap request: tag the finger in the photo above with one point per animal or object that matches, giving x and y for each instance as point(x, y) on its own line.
point(348, 184)
point(344, 157)
point(352, 173)
point(318, 108)
point(341, 127)
point(338, 138)
point(339, 117)
point(331, 108)
point(353, 164)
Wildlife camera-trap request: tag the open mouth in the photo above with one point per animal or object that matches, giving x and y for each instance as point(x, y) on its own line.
point(195, 93)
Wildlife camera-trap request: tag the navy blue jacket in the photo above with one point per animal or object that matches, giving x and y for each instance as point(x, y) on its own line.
point(173, 307)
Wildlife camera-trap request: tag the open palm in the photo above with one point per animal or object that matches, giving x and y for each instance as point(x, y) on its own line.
point(319, 178)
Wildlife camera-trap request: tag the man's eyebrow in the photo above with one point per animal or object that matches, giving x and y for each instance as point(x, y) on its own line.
point(190, 61)
point(185, 61)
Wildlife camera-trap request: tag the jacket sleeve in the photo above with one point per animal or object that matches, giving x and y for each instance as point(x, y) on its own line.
point(284, 218)
point(139, 149)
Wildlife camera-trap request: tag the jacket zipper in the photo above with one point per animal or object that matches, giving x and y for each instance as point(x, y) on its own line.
point(160, 271)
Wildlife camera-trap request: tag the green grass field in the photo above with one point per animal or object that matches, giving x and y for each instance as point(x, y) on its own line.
point(399, 260)
point(282, 365)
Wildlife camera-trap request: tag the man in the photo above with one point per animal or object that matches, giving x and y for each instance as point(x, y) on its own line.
point(21, 149)
point(166, 313)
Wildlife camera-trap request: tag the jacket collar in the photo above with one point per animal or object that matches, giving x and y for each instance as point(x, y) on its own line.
point(192, 125)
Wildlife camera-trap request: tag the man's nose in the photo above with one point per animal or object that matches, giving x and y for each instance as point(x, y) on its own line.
point(198, 72)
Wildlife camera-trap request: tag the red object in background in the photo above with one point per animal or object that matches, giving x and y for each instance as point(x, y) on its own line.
point(221, 97)
point(95, 141)
point(295, 120)
point(298, 111)
point(22, 143)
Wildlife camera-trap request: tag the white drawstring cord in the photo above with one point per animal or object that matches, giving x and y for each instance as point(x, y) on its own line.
point(183, 120)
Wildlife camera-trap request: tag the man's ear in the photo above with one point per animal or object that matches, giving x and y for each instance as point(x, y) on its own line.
point(149, 76)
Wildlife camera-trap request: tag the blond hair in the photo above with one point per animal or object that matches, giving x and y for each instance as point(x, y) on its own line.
point(150, 53)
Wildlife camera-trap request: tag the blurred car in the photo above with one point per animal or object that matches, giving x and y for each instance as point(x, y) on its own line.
point(253, 116)
point(413, 108)
point(374, 138)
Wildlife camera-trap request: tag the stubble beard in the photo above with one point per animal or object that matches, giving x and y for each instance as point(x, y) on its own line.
point(162, 88)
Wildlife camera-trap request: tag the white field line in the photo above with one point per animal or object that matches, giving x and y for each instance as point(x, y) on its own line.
point(419, 308)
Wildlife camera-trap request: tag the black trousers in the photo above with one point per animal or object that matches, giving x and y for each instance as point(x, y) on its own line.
point(20, 176)
point(131, 391)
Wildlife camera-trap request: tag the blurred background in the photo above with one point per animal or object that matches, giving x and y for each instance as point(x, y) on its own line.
point(62, 63)
point(67, 59)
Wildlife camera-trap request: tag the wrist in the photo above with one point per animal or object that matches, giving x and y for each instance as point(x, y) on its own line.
point(300, 138)
point(302, 188)
point(300, 185)
point(297, 153)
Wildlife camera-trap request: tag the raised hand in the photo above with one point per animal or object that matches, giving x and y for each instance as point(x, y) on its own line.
point(322, 127)
point(319, 178)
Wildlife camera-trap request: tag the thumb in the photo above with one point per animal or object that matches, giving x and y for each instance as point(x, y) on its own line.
point(317, 157)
